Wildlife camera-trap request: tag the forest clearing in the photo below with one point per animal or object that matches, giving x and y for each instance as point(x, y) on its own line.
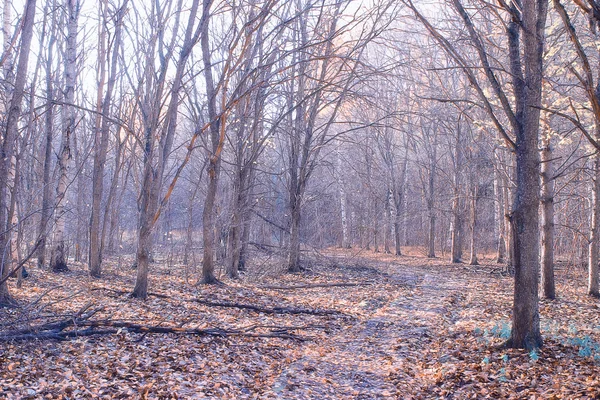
point(402, 327)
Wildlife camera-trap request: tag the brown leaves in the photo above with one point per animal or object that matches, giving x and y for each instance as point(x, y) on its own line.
point(419, 329)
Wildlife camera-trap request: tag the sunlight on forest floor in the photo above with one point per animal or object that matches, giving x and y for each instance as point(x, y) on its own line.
point(409, 328)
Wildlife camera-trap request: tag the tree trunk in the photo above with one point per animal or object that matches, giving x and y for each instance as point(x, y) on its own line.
point(473, 259)
point(594, 231)
point(547, 203)
point(101, 139)
point(400, 207)
point(12, 121)
point(525, 220)
point(46, 211)
point(386, 224)
point(431, 214)
point(235, 230)
point(58, 261)
point(499, 218)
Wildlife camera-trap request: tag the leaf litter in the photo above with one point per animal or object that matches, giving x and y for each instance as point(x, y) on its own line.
point(368, 326)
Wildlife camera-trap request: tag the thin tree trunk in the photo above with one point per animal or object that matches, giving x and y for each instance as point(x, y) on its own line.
point(400, 207)
point(217, 137)
point(473, 260)
point(101, 139)
point(499, 218)
point(547, 200)
point(457, 220)
point(594, 231)
point(431, 211)
point(386, 225)
point(46, 211)
point(294, 254)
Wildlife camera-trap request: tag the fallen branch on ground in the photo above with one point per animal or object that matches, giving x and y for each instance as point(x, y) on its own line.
point(315, 285)
point(128, 292)
point(79, 325)
point(274, 310)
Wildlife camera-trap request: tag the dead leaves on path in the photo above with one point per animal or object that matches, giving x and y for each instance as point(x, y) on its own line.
point(379, 327)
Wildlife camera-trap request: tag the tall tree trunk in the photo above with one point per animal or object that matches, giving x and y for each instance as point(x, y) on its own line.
point(46, 211)
point(525, 219)
point(457, 220)
point(594, 231)
point(154, 167)
point(217, 138)
point(400, 207)
point(112, 191)
point(10, 136)
point(431, 211)
point(343, 204)
point(547, 199)
point(101, 139)
point(58, 261)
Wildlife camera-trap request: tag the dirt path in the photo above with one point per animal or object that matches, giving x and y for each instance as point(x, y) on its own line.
point(391, 321)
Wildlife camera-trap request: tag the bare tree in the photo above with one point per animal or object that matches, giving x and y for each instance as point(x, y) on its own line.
point(8, 144)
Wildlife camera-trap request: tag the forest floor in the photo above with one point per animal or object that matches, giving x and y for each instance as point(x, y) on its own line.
point(408, 328)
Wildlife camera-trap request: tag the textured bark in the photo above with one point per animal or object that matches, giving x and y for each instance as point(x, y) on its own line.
point(547, 203)
point(525, 219)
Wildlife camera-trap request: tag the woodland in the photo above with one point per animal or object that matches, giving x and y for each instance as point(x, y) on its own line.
point(299, 199)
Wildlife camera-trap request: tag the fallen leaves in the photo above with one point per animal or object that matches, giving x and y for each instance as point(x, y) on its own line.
point(405, 328)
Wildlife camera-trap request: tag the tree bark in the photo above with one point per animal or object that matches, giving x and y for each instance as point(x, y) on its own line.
point(594, 231)
point(473, 259)
point(525, 219)
point(499, 217)
point(12, 121)
point(547, 204)
point(58, 260)
point(46, 211)
point(101, 139)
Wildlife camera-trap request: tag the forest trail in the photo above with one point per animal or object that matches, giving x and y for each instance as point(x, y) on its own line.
point(385, 328)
